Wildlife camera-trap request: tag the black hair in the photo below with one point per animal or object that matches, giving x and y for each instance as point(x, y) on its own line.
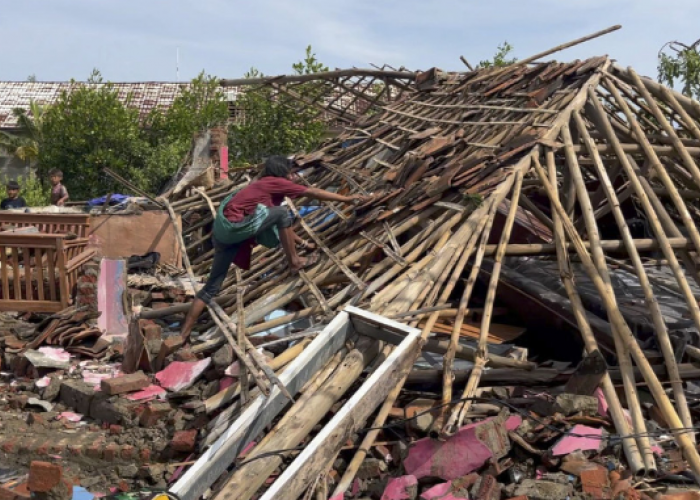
point(55, 172)
point(276, 166)
point(13, 185)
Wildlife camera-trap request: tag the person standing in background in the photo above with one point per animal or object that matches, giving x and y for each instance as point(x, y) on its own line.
point(59, 193)
point(13, 200)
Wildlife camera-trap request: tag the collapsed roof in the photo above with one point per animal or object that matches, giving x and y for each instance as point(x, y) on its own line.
point(550, 160)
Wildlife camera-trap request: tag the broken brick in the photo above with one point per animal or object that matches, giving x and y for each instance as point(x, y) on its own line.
point(154, 413)
point(126, 383)
point(18, 493)
point(595, 482)
point(128, 452)
point(150, 330)
point(110, 452)
point(168, 347)
point(486, 488)
point(44, 476)
point(78, 395)
point(184, 441)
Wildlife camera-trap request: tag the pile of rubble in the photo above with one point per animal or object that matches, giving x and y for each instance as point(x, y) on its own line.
point(519, 217)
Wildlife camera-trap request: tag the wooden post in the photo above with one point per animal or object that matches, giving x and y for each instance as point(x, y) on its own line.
point(298, 423)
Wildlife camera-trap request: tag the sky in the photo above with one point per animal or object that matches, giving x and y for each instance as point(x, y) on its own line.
point(130, 40)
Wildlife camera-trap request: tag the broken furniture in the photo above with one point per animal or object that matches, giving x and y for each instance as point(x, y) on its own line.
point(38, 272)
point(331, 363)
point(77, 224)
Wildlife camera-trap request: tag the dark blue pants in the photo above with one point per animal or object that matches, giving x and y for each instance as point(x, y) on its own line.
point(224, 254)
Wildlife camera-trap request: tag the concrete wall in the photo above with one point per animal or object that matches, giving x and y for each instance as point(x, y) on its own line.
point(121, 236)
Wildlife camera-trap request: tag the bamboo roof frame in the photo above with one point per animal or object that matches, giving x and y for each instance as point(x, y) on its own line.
point(589, 135)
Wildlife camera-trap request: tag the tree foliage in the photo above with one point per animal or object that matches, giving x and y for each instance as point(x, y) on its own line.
point(89, 128)
point(25, 143)
point(275, 123)
point(679, 63)
point(501, 57)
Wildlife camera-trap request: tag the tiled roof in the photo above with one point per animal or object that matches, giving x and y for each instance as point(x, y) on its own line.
point(145, 96)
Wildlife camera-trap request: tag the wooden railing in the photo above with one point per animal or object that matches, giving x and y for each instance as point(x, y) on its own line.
point(38, 272)
point(78, 224)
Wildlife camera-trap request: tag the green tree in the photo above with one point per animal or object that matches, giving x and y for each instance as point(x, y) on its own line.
point(89, 128)
point(275, 123)
point(501, 57)
point(679, 63)
point(199, 106)
point(25, 143)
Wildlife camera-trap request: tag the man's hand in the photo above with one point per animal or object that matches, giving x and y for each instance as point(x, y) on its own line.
point(359, 199)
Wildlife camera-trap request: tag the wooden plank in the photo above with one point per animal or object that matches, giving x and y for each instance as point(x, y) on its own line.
point(16, 278)
point(62, 275)
point(27, 259)
point(352, 416)
point(261, 411)
point(51, 262)
point(39, 265)
point(30, 306)
point(4, 272)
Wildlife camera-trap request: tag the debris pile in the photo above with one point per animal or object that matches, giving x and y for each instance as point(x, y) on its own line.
point(519, 217)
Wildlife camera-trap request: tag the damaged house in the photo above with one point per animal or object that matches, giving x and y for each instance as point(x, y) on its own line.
point(513, 314)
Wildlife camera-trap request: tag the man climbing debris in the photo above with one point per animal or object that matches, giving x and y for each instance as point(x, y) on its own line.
point(253, 216)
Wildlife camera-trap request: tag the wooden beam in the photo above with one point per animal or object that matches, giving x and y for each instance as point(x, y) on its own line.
point(262, 411)
point(352, 416)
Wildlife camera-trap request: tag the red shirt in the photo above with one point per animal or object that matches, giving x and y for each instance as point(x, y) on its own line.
point(268, 191)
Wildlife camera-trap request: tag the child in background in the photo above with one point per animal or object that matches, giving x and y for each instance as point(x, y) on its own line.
point(13, 200)
point(59, 193)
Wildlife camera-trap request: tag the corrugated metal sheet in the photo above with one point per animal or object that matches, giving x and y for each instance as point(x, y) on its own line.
point(144, 96)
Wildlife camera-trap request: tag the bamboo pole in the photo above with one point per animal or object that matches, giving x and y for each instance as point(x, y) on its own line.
point(325, 75)
point(384, 411)
point(459, 412)
point(245, 395)
point(621, 328)
point(642, 245)
point(448, 360)
point(623, 356)
point(567, 45)
point(650, 299)
point(643, 198)
point(656, 164)
point(629, 444)
point(222, 398)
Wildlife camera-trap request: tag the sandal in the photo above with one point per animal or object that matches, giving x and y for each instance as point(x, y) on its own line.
point(310, 261)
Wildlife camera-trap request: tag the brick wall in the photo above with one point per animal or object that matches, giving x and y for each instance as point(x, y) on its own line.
point(87, 286)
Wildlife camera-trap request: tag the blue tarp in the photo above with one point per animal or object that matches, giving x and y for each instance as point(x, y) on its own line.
point(306, 210)
point(114, 200)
